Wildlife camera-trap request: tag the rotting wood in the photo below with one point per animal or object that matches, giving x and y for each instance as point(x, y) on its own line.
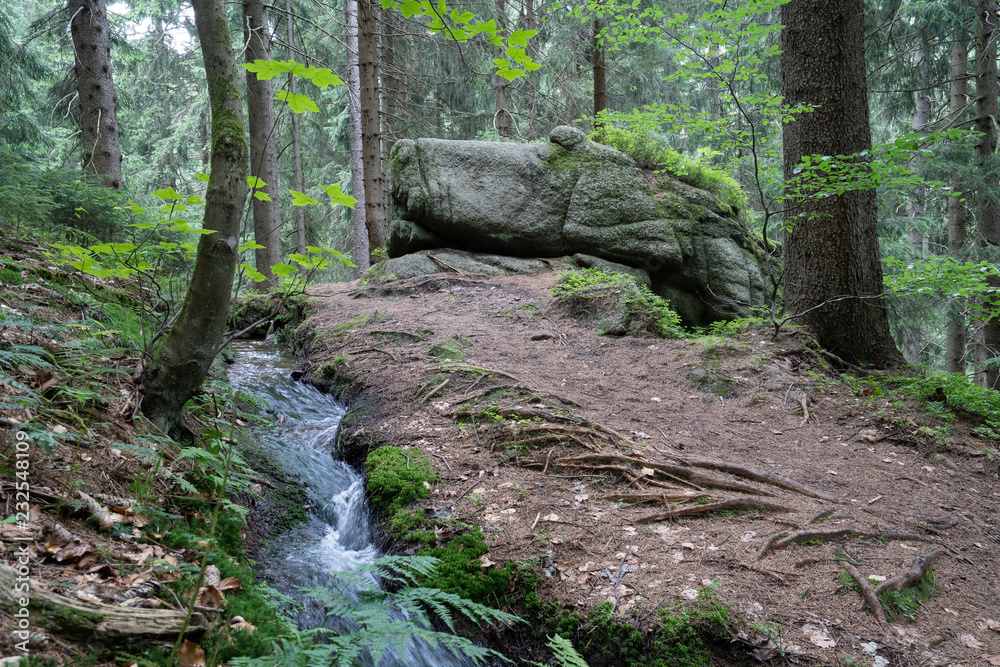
point(867, 592)
point(913, 575)
point(73, 618)
point(740, 503)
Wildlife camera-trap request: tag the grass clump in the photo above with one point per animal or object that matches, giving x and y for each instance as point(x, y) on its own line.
point(652, 151)
point(624, 306)
point(397, 478)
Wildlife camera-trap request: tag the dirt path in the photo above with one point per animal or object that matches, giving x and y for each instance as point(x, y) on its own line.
point(566, 491)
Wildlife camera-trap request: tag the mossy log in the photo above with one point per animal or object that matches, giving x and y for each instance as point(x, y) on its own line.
point(79, 619)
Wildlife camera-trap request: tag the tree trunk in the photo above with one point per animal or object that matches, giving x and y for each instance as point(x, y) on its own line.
point(916, 208)
point(529, 11)
point(987, 207)
point(102, 153)
point(182, 362)
point(955, 351)
point(300, 211)
point(832, 251)
point(360, 251)
point(501, 86)
point(714, 85)
point(600, 74)
point(376, 208)
point(263, 149)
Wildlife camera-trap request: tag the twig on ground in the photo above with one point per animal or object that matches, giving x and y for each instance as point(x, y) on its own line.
point(618, 577)
point(443, 459)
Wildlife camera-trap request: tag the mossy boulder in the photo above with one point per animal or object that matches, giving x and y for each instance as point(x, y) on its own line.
point(573, 196)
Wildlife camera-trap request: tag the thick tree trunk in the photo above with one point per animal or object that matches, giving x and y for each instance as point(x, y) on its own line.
point(360, 248)
point(390, 84)
point(501, 86)
point(987, 207)
point(102, 153)
point(833, 276)
point(600, 72)
point(376, 206)
point(300, 211)
point(957, 234)
point(182, 362)
point(263, 148)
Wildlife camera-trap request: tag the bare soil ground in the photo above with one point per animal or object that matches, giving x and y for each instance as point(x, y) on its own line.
point(602, 459)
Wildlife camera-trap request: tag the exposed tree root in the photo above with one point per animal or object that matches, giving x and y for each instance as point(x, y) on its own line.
point(755, 475)
point(677, 496)
point(528, 391)
point(831, 534)
point(533, 413)
point(740, 503)
point(867, 592)
point(912, 576)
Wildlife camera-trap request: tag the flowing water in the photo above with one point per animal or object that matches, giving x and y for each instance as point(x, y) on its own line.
point(337, 535)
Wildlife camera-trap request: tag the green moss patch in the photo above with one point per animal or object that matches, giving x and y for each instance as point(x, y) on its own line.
point(396, 478)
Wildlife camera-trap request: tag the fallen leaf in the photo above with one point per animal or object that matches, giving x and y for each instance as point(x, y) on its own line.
point(689, 594)
point(993, 659)
point(833, 472)
point(210, 596)
point(191, 655)
point(993, 625)
point(580, 498)
point(229, 584)
point(485, 561)
point(550, 517)
point(971, 642)
point(818, 636)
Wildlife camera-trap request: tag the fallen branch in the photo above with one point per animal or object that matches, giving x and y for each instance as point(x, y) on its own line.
point(867, 592)
point(105, 518)
point(729, 504)
point(89, 621)
point(912, 576)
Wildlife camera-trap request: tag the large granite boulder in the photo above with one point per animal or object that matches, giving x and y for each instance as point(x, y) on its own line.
point(573, 196)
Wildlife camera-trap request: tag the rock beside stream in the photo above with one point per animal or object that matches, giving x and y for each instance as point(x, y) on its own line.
point(571, 196)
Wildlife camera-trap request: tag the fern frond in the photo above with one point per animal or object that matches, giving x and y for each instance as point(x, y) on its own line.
point(564, 653)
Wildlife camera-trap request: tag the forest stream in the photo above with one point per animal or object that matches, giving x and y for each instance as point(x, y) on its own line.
point(337, 536)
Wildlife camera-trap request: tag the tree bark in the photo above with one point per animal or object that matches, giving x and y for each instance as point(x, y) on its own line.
point(300, 211)
point(987, 207)
point(600, 74)
point(182, 362)
point(529, 12)
point(833, 276)
point(916, 208)
point(501, 86)
point(360, 248)
point(102, 153)
point(376, 208)
point(263, 148)
point(957, 234)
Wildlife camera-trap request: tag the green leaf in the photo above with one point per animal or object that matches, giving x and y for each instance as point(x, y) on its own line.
point(322, 77)
point(261, 195)
point(337, 196)
point(283, 270)
point(194, 199)
point(186, 227)
point(509, 73)
point(255, 182)
point(296, 102)
point(521, 37)
point(168, 193)
point(251, 245)
point(252, 273)
point(302, 199)
point(202, 177)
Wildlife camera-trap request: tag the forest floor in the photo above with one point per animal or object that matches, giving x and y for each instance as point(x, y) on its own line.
point(600, 462)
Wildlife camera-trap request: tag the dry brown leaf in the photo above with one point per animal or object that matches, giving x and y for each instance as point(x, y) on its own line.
point(993, 625)
point(992, 659)
point(229, 584)
point(550, 517)
point(210, 596)
point(485, 561)
point(971, 642)
point(191, 655)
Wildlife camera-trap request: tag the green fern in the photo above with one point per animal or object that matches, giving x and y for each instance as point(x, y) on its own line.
point(382, 624)
point(564, 653)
